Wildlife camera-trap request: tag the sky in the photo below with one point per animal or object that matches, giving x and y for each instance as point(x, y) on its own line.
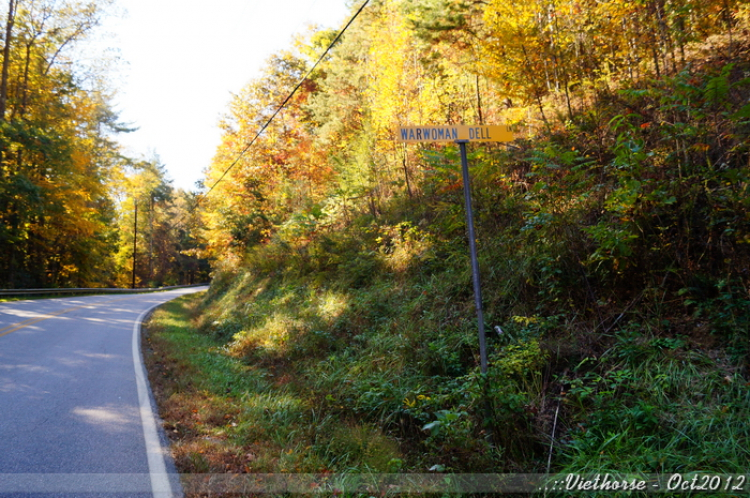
point(181, 60)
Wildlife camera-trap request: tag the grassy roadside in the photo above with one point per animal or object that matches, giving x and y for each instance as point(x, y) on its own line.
point(223, 415)
point(198, 391)
point(255, 387)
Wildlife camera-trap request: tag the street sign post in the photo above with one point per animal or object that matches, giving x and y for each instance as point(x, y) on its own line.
point(463, 134)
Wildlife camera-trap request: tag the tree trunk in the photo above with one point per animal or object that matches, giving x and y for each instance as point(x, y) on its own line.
point(406, 173)
point(479, 104)
point(6, 58)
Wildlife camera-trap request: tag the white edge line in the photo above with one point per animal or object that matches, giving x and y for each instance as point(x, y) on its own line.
point(160, 485)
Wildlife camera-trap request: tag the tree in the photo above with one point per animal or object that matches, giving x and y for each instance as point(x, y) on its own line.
point(161, 233)
point(57, 158)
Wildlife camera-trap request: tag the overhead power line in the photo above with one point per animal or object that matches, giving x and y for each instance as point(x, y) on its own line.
point(283, 104)
point(200, 198)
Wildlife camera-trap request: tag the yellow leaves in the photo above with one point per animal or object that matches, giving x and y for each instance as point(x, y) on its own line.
point(387, 64)
point(508, 19)
point(701, 147)
point(421, 398)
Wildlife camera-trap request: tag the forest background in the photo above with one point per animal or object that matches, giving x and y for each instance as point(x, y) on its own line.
point(338, 332)
point(68, 195)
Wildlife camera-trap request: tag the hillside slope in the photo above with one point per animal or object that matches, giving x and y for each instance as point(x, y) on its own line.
point(614, 255)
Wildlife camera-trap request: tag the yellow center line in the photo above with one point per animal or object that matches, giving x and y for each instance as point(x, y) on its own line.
point(31, 321)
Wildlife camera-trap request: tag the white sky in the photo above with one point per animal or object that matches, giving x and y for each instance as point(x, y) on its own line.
point(182, 59)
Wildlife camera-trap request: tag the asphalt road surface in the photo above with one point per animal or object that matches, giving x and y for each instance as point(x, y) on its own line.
point(76, 414)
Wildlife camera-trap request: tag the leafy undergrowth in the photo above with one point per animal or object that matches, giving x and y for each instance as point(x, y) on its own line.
point(614, 256)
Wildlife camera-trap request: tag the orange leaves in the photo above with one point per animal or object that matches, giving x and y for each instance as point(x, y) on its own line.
point(270, 179)
point(452, 187)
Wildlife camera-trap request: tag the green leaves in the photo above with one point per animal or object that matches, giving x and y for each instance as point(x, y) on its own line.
point(742, 114)
point(446, 420)
point(717, 88)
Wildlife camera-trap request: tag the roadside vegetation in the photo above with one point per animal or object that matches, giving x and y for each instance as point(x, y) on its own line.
point(614, 247)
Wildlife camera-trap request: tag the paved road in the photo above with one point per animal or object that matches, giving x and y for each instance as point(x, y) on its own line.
point(75, 409)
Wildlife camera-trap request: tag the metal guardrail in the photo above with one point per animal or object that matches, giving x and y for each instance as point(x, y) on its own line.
point(92, 290)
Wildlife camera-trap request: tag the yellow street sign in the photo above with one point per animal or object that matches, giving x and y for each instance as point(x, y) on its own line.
point(493, 133)
point(413, 134)
point(453, 133)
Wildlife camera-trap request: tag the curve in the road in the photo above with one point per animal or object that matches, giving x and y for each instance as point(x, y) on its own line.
point(70, 407)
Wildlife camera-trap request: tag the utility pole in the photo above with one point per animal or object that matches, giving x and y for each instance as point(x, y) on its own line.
point(135, 239)
point(151, 239)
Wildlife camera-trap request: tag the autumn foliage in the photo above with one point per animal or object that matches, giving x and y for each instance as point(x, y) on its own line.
point(613, 235)
point(330, 153)
point(66, 189)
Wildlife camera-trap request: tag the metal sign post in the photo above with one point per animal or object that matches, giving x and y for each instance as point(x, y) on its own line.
point(463, 134)
point(473, 251)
